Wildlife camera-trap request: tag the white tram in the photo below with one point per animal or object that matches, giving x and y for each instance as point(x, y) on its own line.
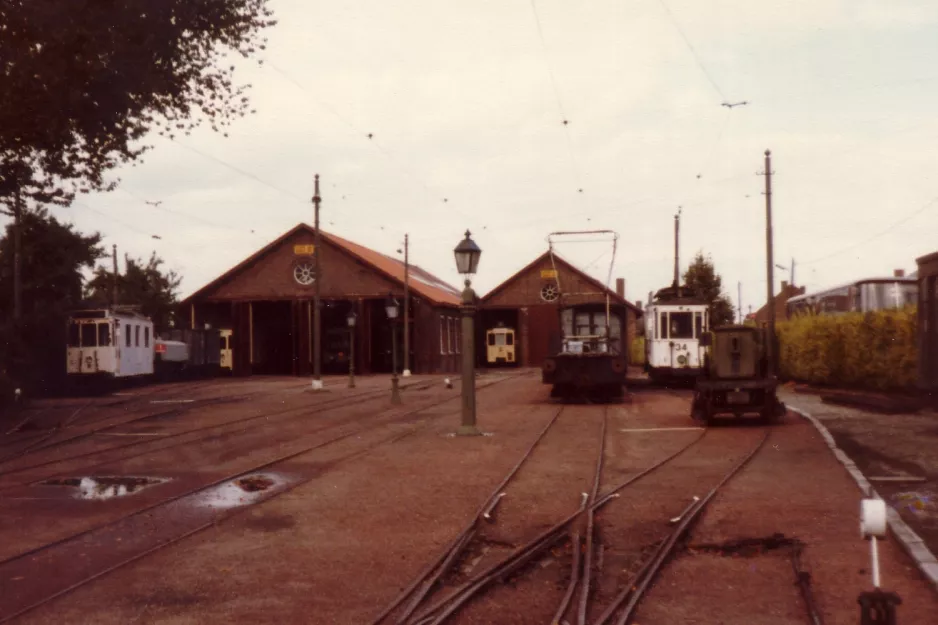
point(674, 323)
point(109, 343)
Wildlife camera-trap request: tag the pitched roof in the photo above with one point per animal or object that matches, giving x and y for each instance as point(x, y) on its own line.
point(562, 261)
point(421, 282)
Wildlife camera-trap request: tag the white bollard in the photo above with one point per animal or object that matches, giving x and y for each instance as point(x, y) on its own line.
point(873, 526)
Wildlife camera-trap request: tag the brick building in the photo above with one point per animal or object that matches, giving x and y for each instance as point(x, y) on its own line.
point(787, 292)
point(267, 302)
point(527, 301)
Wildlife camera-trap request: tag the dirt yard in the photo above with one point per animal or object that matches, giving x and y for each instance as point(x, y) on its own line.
point(359, 496)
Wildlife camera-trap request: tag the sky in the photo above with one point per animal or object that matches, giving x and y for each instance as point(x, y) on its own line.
point(465, 103)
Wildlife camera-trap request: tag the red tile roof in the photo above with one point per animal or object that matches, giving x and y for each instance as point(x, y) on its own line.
point(421, 282)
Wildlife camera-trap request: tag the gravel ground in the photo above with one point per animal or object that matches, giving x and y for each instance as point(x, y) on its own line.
point(888, 445)
point(794, 487)
point(340, 547)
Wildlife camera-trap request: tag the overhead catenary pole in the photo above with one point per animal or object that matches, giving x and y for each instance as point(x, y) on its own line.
point(406, 371)
point(792, 272)
point(116, 275)
point(317, 328)
point(770, 342)
point(677, 229)
point(739, 300)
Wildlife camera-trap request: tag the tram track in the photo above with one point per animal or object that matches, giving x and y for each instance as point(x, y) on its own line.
point(326, 405)
point(582, 551)
point(431, 578)
point(282, 417)
point(74, 541)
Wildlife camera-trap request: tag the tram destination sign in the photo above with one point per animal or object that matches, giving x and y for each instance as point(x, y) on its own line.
point(304, 250)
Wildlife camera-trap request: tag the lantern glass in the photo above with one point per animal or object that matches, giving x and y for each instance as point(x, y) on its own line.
point(467, 256)
point(391, 308)
point(350, 319)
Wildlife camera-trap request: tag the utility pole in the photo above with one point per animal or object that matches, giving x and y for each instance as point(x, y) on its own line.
point(792, 273)
point(739, 298)
point(317, 334)
point(770, 342)
point(677, 230)
point(17, 253)
point(116, 276)
point(406, 372)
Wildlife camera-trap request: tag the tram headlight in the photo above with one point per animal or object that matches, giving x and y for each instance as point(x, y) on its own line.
point(682, 359)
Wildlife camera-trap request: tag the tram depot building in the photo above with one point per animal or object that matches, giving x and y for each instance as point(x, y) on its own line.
point(267, 302)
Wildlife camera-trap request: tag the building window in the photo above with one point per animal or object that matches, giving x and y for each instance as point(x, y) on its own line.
point(442, 334)
point(136, 336)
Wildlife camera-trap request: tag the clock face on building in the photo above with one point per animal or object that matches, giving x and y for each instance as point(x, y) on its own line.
point(304, 273)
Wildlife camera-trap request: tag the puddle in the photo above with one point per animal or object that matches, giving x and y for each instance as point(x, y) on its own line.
point(254, 483)
point(105, 487)
point(241, 492)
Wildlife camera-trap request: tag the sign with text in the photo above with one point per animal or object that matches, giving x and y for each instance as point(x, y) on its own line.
point(549, 274)
point(304, 250)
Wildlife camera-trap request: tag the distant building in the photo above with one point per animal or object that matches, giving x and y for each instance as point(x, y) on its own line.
point(786, 293)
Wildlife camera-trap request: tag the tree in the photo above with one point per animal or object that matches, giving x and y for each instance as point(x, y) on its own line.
point(144, 285)
point(702, 276)
point(54, 256)
point(83, 82)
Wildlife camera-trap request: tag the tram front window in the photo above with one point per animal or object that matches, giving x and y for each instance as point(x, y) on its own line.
point(681, 325)
point(89, 336)
point(74, 336)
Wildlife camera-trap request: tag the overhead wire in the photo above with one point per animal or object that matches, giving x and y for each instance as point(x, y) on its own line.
point(360, 133)
point(693, 51)
point(895, 225)
point(560, 109)
point(184, 215)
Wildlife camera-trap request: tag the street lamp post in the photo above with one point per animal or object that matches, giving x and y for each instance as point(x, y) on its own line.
point(350, 318)
point(467, 261)
point(391, 307)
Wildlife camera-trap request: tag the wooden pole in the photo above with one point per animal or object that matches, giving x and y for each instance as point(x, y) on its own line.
point(116, 276)
point(406, 372)
point(770, 342)
point(317, 321)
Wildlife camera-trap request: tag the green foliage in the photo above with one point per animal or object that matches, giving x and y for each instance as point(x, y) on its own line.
point(637, 351)
point(52, 260)
point(144, 285)
point(865, 350)
point(702, 276)
point(84, 82)
point(32, 353)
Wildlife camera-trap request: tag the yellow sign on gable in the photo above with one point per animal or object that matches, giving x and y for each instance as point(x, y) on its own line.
point(304, 250)
point(548, 273)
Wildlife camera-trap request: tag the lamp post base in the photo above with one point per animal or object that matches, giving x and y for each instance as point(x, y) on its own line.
point(468, 430)
point(405, 373)
point(351, 383)
point(317, 385)
point(395, 391)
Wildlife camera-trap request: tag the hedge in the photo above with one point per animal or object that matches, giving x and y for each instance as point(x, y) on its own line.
point(875, 350)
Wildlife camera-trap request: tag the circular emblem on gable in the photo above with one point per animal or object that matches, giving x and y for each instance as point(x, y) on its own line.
point(550, 292)
point(304, 272)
